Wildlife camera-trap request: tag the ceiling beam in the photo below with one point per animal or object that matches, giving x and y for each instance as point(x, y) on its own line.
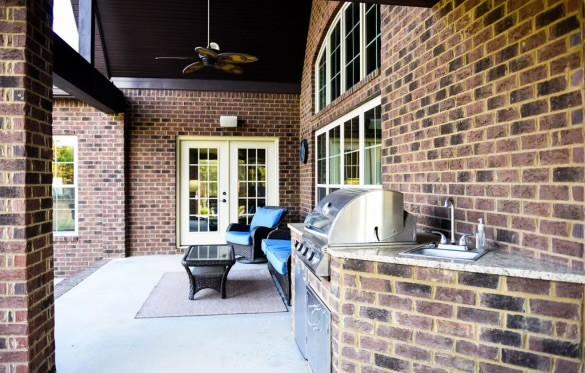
point(73, 74)
point(417, 3)
point(86, 27)
point(207, 85)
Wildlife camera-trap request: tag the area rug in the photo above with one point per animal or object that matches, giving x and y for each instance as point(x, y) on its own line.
point(248, 291)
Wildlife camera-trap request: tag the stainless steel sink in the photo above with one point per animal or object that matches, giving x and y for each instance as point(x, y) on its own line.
point(433, 252)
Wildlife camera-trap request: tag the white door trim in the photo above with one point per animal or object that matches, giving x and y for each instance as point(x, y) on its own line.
point(274, 183)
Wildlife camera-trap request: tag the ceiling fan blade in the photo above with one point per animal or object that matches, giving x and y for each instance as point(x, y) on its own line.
point(236, 58)
point(229, 68)
point(195, 66)
point(206, 52)
point(174, 58)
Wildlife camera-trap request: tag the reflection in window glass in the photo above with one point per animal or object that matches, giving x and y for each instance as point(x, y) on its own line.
point(352, 45)
point(335, 155)
point(373, 37)
point(373, 146)
point(335, 47)
point(203, 196)
point(64, 184)
point(351, 152)
point(322, 83)
point(321, 159)
point(251, 183)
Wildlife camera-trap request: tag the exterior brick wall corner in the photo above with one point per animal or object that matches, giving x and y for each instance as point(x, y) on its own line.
point(101, 184)
point(26, 244)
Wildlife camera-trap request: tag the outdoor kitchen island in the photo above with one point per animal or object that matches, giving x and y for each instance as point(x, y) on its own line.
point(503, 313)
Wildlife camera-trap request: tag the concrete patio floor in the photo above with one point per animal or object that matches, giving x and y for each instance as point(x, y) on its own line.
point(96, 330)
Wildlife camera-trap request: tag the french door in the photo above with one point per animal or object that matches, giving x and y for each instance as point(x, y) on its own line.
point(222, 182)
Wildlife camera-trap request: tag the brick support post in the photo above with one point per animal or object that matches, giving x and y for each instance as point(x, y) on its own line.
point(26, 251)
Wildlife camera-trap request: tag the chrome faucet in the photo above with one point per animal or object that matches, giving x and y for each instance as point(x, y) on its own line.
point(452, 244)
point(451, 206)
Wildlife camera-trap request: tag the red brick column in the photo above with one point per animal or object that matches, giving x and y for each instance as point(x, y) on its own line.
point(26, 251)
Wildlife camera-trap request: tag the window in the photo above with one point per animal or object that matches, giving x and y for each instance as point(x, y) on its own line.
point(349, 151)
point(352, 45)
point(350, 51)
point(373, 37)
point(373, 146)
point(65, 185)
point(335, 45)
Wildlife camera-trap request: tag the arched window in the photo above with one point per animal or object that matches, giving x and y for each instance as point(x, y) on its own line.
point(350, 51)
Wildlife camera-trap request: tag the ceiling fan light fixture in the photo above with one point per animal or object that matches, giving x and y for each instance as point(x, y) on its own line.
point(213, 57)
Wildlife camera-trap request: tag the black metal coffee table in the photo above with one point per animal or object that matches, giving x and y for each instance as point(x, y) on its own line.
point(207, 266)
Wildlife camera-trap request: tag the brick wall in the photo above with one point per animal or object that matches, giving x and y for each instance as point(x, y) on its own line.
point(482, 101)
point(101, 209)
point(26, 251)
point(154, 121)
point(405, 318)
point(485, 104)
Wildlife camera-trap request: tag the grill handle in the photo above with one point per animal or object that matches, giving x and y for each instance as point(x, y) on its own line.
point(376, 231)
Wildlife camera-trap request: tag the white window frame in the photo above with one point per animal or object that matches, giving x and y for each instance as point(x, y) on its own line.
point(326, 48)
point(69, 140)
point(358, 112)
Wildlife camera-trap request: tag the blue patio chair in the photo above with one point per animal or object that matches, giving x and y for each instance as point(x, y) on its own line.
point(247, 239)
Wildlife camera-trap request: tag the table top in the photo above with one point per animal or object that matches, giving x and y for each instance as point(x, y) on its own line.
point(209, 255)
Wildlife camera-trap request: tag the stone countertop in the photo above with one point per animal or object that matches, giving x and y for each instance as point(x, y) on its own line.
point(494, 262)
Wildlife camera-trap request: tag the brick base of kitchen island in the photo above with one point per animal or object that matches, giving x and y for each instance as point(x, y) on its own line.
point(394, 317)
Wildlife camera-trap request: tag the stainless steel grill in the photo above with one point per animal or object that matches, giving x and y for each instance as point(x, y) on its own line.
point(349, 217)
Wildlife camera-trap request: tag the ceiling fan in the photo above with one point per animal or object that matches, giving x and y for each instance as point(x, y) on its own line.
point(212, 56)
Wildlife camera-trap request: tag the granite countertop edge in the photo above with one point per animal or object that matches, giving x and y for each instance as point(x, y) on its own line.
point(494, 262)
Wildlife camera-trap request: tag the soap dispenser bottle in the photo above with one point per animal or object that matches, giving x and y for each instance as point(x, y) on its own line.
point(480, 236)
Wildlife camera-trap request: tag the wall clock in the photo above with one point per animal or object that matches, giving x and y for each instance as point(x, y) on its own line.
point(304, 153)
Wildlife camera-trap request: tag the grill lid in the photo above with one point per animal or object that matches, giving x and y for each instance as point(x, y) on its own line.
point(354, 215)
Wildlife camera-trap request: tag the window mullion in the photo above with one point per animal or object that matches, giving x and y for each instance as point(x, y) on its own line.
point(361, 146)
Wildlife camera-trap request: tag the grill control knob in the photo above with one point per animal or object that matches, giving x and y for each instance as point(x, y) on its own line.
point(299, 247)
point(305, 251)
point(311, 255)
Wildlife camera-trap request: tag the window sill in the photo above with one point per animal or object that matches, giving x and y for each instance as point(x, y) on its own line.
point(350, 91)
point(65, 237)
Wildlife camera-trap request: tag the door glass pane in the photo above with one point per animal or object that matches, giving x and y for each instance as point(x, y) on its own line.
point(252, 179)
point(203, 196)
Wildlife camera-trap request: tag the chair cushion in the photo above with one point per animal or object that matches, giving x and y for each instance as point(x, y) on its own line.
point(269, 244)
point(240, 238)
point(265, 217)
point(278, 257)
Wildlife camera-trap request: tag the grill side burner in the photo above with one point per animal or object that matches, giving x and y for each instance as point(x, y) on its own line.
point(349, 217)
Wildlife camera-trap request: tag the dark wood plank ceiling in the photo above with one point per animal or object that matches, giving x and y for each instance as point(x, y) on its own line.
point(136, 31)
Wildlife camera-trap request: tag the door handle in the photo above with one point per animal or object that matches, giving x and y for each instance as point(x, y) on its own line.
point(224, 200)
